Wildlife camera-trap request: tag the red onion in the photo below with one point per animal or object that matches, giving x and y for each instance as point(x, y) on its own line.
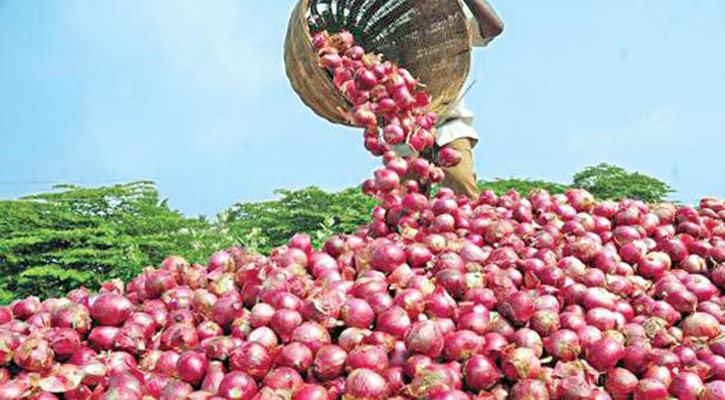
point(605, 354)
point(687, 386)
point(251, 358)
point(481, 373)
point(110, 309)
point(213, 377)
point(395, 380)
point(518, 307)
point(564, 345)
point(311, 334)
point(34, 355)
point(530, 389)
point(424, 338)
point(701, 325)
point(103, 337)
point(520, 363)
point(357, 313)
point(284, 322)
point(191, 367)
point(621, 383)
point(330, 362)
point(311, 392)
point(364, 384)
point(295, 355)
point(394, 321)
point(462, 345)
point(238, 386)
point(373, 358)
point(714, 390)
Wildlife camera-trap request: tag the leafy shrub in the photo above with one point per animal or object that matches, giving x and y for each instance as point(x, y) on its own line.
point(607, 181)
point(263, 226)
point(53, 242)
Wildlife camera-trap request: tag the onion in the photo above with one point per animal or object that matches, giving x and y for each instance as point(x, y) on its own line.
point(564, 345)
point(103, 337)
point(284, 322)
point(283, 378)
point(311, 392)
point(295, 355)
point(357, 313)
point(530, 389)
point(369, 357)
point(520, 363)
point(238, 386)
point(34, 355)
point(605, 354)
point(311, 334)
point(330, 362)
point(395, 380)
point(394, 321)
point(462, 345)
point(424, 338)
point(518, 307)
point(621, 383)
point(687, 386)
point(251, 358)
point(110, 309)
point(213, 377)
point(701, 325)
point(364, 384)
point(714, 390)
point(481, 373)
point(192, 367)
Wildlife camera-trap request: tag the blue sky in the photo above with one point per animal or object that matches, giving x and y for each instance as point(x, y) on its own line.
point(193, 96)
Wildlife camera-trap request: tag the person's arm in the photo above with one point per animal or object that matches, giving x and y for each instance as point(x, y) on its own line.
point(489, 22)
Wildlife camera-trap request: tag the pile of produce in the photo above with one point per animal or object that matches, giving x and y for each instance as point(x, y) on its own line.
point(439, 297)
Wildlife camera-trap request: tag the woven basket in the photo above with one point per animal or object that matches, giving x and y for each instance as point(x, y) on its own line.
point(428, 37)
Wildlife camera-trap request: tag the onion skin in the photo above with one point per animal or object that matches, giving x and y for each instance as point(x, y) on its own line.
point(330, 362)
point(192, 367)
point(363, 384)
point(424, 338)
point(111, 309)
point(520, 363)
point(648, 389)
point(620, 383)
point(251, 358)
point(283, 378)
point(238, 386)
point(481, 373)
point(605, 354)
point(369, 357)
point(714, 390)
point(687, 386)
point(296, 356)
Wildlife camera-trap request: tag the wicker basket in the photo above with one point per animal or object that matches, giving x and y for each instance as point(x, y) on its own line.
point(428, 37)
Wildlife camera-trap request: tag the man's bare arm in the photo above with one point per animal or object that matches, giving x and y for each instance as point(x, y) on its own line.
point(489, 22)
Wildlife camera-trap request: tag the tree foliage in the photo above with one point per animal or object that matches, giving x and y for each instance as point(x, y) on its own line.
point(607, 181)
point(263, 226)
point(56, 241)
point(523, 186)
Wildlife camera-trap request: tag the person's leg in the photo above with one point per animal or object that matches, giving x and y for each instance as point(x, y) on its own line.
point(462, 178)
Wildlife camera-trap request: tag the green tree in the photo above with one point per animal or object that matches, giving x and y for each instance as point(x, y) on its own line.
point(607, 181)
point(263, 226)
point(53, 242)
point(523, 186)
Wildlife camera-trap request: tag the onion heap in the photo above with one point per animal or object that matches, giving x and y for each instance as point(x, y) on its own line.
point(439, 297)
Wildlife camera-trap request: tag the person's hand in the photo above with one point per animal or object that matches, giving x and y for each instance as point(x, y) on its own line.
point(489, 23)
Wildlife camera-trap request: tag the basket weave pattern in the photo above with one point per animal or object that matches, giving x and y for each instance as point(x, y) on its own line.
point(428, 37)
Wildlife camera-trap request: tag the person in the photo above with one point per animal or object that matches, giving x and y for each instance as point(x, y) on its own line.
point(455, 130)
